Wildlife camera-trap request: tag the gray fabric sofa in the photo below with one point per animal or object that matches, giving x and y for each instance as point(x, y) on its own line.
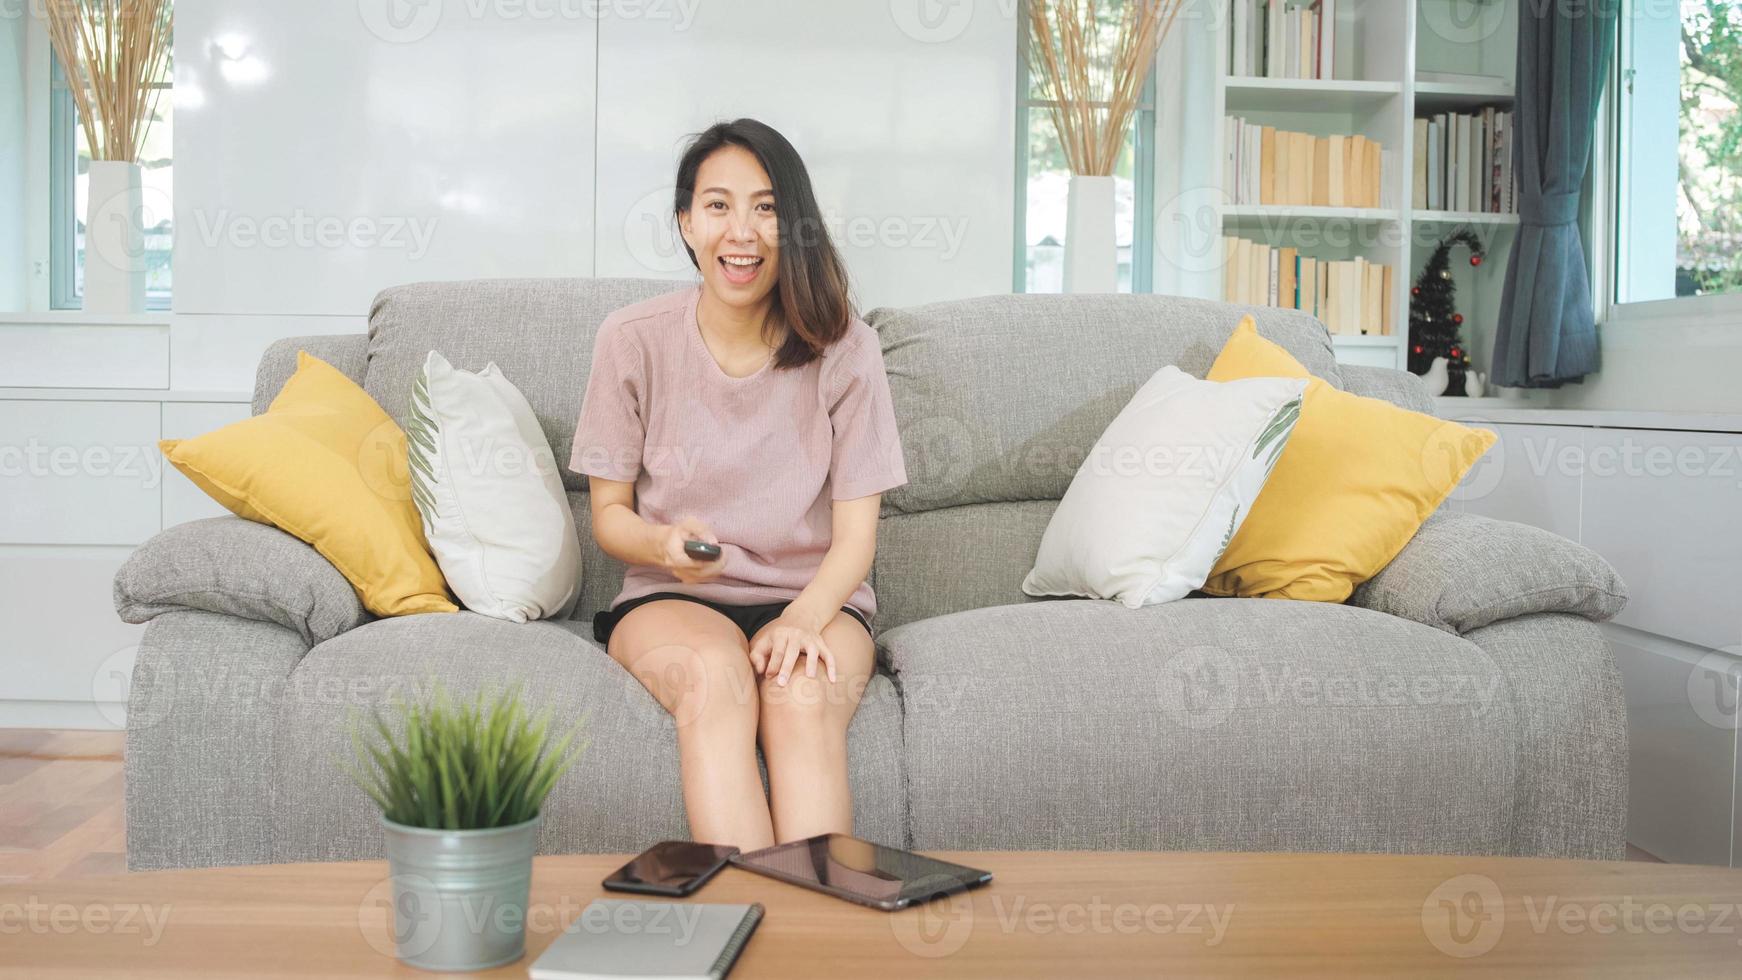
point(1464, 701)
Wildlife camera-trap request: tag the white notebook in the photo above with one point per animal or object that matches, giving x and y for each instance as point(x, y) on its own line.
point(615, 937)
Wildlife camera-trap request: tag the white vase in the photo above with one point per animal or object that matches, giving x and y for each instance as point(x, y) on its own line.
point(1091, 264)
point(114, 239)
point(1475, 384)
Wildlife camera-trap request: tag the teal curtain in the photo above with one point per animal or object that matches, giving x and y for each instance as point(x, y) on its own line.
point(1547, 333)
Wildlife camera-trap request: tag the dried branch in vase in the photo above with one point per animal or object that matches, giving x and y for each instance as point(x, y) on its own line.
point(1093, 69)
point(114, 53)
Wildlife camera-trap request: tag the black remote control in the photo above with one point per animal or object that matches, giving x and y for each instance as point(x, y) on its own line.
point(701, 550)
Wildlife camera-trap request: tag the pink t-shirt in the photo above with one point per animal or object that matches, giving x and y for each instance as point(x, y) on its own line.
point(758, 458)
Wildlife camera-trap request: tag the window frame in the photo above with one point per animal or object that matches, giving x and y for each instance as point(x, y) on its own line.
point(1609, 179)
point(63, 156)
point(1142, 173)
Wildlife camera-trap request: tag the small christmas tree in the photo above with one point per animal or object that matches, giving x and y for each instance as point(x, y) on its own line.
point(1433, 324)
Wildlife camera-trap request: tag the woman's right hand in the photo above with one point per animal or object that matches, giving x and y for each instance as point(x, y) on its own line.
point(677, 561)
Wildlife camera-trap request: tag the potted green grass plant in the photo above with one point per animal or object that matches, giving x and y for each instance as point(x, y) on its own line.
point(460, 787)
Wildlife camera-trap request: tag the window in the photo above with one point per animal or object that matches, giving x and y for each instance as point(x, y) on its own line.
point(1043, 182)
point(1678, 150)
point(69, 162)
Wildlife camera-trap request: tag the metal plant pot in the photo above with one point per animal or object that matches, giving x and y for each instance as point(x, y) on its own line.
point(459, 896)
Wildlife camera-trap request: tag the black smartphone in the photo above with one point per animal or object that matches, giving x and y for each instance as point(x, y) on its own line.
point(701, 550)
point(670, 867)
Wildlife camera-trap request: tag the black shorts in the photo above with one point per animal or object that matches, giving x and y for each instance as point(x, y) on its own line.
point(748, 618)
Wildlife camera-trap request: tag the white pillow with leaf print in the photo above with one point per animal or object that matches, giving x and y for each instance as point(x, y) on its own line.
point(1156, 502)
point(486, 483)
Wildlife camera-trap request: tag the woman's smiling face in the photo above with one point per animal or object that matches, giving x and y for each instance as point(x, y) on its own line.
point(731, 227)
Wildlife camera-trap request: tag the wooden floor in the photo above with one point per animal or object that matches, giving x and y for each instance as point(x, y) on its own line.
point(60, 805)
point(61, 810)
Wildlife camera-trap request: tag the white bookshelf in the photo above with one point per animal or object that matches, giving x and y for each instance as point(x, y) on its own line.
point(1380, 45)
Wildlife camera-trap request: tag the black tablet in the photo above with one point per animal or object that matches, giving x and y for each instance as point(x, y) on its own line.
point(859, 871)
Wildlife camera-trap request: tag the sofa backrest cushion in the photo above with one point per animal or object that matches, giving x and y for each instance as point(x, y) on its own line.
point(998, 398)
point(1001, 397)
point(601, 574)
point(538, 331)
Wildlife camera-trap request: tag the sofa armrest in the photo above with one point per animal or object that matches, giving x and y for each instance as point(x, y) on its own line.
point(1462, 572)
point(242, 568)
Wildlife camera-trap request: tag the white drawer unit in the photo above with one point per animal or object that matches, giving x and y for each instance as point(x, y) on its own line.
point(1681, 733)
point(79, 472)
point(64, 643)
point(1663, 508)
point(84, 350)
point(1526, 478)
point(1657, 496)
point(83, 483)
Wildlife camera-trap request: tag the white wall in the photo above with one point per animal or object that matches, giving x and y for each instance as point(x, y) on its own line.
point(1660, 366)
point(324, 151)
point(907, 134)
point(528, 138)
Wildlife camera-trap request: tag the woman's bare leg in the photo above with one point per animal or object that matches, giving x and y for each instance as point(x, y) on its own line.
point(696, 662)
point(803, 730)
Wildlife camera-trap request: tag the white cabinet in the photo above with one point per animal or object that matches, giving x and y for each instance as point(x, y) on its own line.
point(1661, 505)
point(79, 472)
point(1663, 508)
point(83, 482)
point(1530, 476)
point(1681, 732)
point(84, 350)
point(62, 637)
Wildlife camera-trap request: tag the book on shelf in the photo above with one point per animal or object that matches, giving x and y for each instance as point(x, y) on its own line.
point(1419, 171)
point(1351, 297)
point(1463, 162)
point(1266, 165)
point(1282, 38)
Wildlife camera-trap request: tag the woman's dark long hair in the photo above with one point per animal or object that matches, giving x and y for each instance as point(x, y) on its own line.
point(810, 296)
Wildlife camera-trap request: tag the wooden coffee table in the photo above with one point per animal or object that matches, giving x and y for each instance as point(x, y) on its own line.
point(1052, 914)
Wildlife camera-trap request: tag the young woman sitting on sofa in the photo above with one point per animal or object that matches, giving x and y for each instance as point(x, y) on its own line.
point(750, 411)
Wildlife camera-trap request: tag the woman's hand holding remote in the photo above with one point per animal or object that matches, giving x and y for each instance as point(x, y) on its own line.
point(687, 569)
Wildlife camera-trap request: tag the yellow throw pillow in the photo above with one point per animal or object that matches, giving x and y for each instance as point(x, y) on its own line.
point(326, 464)
point(1357, 478)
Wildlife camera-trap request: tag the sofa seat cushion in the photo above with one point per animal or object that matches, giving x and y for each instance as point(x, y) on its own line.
point(1203, 724)
point(624, 793)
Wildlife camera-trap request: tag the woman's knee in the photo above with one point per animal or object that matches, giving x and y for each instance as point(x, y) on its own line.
point(702, 673)
point(700, 684)
point(809, 706)
point(804, 707)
